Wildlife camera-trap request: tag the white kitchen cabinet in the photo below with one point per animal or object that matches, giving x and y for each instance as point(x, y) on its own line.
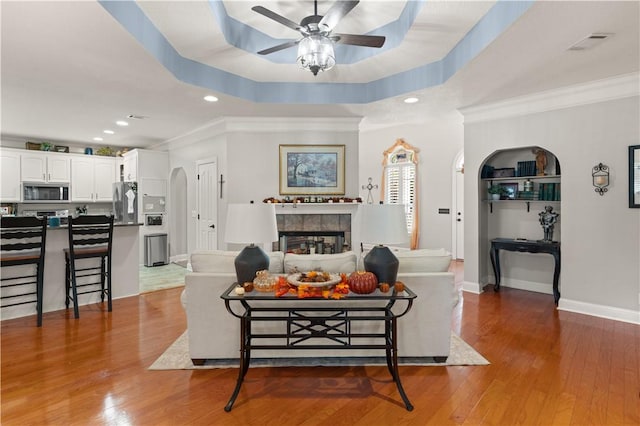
point(104, 177)
point(10, 174)
point(92, 178)
point(45, 167)
point(144, 163)
point(130, 166)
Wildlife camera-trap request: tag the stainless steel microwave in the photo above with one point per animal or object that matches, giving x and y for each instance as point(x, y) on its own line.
point(45, 193)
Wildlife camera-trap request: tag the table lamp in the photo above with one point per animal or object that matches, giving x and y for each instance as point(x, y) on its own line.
point(383, 224)
point(250, 224)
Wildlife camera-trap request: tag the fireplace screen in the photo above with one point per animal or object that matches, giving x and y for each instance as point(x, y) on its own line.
point(311, 242)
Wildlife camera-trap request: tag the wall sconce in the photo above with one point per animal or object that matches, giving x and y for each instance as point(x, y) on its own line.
point(600, 176)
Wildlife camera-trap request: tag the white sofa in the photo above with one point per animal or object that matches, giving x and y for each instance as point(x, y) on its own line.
point(424, 332)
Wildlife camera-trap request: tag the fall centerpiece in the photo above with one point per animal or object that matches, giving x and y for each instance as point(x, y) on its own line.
point(313, 284)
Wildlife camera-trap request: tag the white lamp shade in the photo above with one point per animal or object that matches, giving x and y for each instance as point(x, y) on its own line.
point(251, 223)
point(383, 224)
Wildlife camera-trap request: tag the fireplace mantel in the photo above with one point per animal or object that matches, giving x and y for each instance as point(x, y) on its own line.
point(316, 208)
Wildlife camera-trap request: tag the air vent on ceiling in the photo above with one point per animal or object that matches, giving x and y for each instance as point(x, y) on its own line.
point(590, 41)
point(136, 117)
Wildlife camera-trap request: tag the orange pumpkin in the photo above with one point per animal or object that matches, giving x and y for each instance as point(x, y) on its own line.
point(362, 282)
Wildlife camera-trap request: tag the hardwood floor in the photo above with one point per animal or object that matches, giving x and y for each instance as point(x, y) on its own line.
point(547, 367)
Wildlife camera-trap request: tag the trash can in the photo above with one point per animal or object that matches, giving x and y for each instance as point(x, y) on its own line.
point(155, 250)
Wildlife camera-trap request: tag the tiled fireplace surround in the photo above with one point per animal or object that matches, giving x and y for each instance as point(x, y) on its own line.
point(315, 224)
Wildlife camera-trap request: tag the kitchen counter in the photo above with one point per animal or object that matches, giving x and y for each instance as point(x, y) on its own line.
point(115, 225)
point(125, 264)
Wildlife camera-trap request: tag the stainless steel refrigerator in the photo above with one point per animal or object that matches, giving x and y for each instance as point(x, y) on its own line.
point(125, 202)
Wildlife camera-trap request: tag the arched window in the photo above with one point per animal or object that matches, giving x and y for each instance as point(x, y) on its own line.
point(400, 183)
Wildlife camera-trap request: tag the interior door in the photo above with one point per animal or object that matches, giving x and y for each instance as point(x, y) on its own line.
point(207, 205)
point(459, 215)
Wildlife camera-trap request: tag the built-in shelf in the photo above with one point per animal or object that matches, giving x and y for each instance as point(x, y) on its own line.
point(528, 203)
point(521, 178)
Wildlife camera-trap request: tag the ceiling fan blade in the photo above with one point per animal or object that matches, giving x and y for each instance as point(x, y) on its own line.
point(359, 40)
point(279, 47)
point(336, 13)
point(278, 18)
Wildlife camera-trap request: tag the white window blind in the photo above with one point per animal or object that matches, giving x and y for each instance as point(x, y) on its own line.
point(400, 188)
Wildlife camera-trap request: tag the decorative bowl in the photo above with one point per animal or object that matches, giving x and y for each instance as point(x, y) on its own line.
point(299, 279)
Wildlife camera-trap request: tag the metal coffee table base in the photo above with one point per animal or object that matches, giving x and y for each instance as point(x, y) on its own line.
point(303, 325)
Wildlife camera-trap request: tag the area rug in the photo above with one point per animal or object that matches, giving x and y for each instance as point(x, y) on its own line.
point(161, 277)
point(176, 357)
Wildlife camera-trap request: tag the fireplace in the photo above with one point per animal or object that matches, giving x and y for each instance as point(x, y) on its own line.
point(313, 233)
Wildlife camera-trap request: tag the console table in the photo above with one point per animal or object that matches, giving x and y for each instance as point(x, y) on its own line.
point(319, 324)
point(529, 246)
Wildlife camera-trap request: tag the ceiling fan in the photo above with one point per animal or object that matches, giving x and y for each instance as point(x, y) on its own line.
point(315, 48)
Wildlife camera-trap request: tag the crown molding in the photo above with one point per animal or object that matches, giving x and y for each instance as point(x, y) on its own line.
point(292, 124)
point(619, 87)
point(226, 125)
point(209, 130)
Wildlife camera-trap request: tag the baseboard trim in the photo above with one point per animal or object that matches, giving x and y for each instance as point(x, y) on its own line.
point(568, 305)
point(601, 311)
point(545, 288)
point(471, 287)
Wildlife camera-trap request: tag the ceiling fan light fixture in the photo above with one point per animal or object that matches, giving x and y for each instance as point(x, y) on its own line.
point(315, 53)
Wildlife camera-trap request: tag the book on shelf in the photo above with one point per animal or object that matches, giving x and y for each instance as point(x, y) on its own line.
point(527, 195)
point(549, 191)
point(526, 168)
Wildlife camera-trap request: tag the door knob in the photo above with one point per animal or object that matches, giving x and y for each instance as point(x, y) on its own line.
point(459, 220)
point(212, 226)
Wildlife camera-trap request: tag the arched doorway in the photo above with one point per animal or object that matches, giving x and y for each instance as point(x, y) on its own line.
point(526, 181)
point(178, 248)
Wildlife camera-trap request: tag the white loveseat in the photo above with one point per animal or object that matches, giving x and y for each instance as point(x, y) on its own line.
point(424, 332)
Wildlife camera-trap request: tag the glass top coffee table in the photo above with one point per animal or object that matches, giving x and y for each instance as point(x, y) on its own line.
point(318, 324)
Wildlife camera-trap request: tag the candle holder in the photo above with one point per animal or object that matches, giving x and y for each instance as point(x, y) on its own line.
point(600, 177)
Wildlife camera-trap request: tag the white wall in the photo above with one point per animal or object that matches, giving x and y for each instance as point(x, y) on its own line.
point(179, 213)
point(248, 156)
point(258, 178)
point(184, 152)
point(439, 142)
point(600, 234)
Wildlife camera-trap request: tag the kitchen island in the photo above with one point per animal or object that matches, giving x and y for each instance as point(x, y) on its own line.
point(125, 264)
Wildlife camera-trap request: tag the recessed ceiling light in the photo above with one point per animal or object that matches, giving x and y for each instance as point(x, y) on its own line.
point(411, 100)
point(108, 132)
point(97, 139)
point(122, 123)
point(210, 98)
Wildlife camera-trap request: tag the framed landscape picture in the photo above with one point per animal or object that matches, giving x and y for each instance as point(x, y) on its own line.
point(511, 190)
point(312, 169)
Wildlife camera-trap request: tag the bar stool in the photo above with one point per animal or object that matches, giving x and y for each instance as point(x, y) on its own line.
point(23, 243)
point(89, 237)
